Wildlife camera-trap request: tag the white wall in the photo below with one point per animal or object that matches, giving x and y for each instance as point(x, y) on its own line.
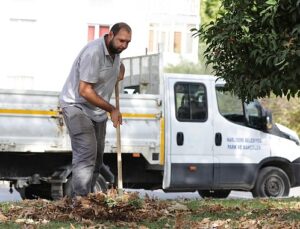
point(41, 38)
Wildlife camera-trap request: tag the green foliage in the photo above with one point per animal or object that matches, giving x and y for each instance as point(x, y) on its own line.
point(5, 206)
point(209, 10)
point(136, 202)
point(285, 112)
point(111, 202)
point(255, 47)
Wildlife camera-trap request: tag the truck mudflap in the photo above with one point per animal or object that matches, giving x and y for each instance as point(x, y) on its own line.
point(296, 172)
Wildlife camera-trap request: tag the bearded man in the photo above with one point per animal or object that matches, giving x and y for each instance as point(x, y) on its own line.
point(84, 100)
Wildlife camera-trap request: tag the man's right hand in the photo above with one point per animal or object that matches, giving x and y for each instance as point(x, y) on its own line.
point(116, 117)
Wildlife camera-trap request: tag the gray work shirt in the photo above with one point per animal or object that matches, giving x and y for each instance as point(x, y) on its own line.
point(92, 65)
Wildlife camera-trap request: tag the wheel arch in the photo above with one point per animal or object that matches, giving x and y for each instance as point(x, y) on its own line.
point(278, 162)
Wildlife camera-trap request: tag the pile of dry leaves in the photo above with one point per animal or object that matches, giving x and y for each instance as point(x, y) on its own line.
point(128, 207)
point(129, 210)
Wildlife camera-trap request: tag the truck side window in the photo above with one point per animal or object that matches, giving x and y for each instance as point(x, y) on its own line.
point(230, 106)
point(190, 102)
point(233, 109)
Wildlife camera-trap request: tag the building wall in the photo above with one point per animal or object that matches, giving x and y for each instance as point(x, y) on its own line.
point(41, 38)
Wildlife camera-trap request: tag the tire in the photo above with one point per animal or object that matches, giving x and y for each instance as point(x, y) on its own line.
point(100, 186)
point(21, 191)
point(271, 182)
point(35, 191)
point(218, 194)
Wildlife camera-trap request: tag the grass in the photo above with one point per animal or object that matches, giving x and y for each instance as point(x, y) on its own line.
point(197, 213)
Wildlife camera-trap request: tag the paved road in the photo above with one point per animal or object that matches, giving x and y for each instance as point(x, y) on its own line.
point(194, 195)
point(6, 196)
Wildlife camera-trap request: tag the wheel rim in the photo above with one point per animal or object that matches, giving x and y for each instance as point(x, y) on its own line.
point(97, 188)
point(274, 186)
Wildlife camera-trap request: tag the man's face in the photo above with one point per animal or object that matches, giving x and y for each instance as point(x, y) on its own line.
point(119, 42)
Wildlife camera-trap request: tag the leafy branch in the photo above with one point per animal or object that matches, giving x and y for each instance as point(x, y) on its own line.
point(255, 47)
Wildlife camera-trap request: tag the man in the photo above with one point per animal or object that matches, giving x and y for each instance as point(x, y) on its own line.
point(85, 103)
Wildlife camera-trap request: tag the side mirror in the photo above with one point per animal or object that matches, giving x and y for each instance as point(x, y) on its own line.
point(269, 119)
point(266, 120)
point(258, 117)
point(262, 122)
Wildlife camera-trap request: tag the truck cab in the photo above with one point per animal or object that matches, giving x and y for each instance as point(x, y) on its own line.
point(217, 143)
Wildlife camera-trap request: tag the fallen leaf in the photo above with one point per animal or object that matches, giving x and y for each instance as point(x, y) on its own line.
point(3, 218)
point(178, 207)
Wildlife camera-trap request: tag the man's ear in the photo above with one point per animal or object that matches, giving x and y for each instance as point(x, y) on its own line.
point(110, 35)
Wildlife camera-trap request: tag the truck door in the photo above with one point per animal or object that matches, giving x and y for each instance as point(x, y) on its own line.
point(240, 142)
point(189, 135)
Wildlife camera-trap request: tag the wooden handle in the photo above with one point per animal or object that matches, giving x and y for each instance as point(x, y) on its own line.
point(119, 152)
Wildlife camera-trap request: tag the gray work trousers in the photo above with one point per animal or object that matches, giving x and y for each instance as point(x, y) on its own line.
point(87, 141)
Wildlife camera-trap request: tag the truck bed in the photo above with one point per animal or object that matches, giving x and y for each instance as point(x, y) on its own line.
point(31, 122)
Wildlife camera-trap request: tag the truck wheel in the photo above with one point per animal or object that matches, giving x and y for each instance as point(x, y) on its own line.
point(214, 193)
point(271, 182)
point(100, 186)
point(21, 191)
point(35, 191)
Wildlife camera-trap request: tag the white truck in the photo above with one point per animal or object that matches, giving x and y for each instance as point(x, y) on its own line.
point(191, 136)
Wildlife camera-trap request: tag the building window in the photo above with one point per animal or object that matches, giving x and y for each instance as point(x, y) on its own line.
point(94, 30)
point(91, 32)
point(177, 42)
point(103, 29)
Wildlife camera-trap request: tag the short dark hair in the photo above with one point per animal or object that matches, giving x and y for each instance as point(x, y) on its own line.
point(118, 26)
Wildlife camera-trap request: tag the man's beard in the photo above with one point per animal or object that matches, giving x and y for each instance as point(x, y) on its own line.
point(112, 49)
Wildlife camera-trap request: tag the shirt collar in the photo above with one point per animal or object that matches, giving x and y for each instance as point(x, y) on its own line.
point(104, 45)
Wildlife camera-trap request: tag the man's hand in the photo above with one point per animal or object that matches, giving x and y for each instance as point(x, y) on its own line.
point(116, 117)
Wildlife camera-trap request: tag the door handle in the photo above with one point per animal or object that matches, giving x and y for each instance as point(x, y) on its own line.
point(180, 138)
point(218, 139)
